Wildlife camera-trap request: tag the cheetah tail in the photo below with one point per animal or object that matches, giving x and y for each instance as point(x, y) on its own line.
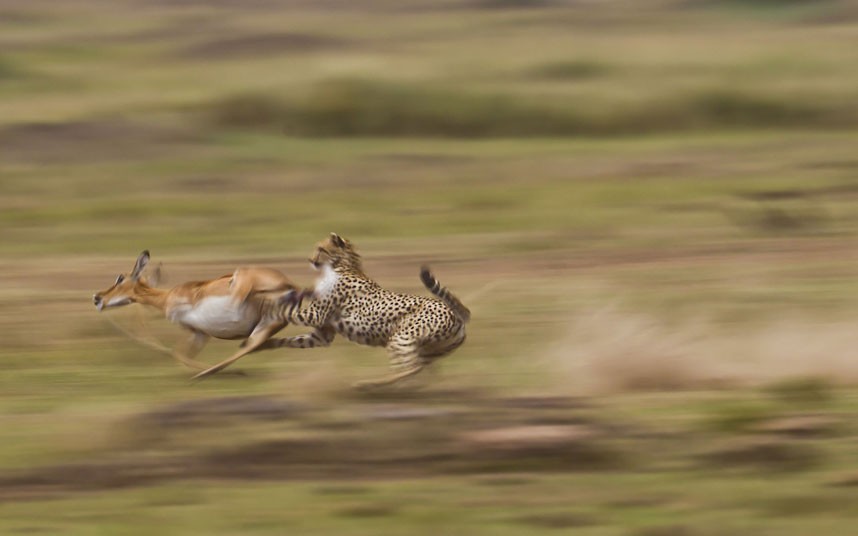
point(435, 288)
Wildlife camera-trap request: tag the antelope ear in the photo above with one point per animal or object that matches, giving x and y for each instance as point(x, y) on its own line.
point(141, 263)
point(339, 242)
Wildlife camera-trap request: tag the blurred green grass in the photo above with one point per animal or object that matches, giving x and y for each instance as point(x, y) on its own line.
point(689, 166)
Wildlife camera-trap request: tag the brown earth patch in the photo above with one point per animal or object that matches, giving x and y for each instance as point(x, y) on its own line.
point(557, 520)
point(536, 437)
point(763, 453)
point(258, 45)
point(368, 510)
point(86, 141)
point(799, 426)
point(846, 479)
point(198, 412)
point(268, 441)
point(665, 530)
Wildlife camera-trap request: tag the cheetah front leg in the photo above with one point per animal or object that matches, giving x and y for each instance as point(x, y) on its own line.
point(315, 315)
point(405, 361)
point(318, 338)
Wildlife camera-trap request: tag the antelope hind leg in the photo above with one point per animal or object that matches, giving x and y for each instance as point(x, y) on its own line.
point(254, 342)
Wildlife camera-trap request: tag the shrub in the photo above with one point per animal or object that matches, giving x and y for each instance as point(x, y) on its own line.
point(808, 391)
point(248, 111)
point(570, 70)
point(357, 107)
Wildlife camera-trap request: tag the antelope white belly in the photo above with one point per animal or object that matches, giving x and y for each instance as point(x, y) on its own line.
point(219, 316)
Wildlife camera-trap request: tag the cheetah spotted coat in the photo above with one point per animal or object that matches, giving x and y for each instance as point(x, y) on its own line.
point(415, 330)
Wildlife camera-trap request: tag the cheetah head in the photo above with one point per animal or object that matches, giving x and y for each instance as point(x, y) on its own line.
point(336, 252)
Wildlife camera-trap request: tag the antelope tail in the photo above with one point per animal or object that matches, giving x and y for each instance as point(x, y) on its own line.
point(435, 288)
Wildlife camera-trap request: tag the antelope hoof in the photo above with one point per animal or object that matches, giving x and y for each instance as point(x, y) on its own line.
point(200, 375)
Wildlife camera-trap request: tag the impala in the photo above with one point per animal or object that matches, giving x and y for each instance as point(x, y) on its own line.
point(236, 306)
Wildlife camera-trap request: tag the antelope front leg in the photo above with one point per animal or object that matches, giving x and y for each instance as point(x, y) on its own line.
point(154, 345)
point(185, 351)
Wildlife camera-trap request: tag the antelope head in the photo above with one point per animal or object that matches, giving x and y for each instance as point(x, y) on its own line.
point(127, 287)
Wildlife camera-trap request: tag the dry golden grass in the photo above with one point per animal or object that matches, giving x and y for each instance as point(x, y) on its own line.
point(611, 350)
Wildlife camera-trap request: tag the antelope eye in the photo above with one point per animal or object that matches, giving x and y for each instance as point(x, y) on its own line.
point(120, 279)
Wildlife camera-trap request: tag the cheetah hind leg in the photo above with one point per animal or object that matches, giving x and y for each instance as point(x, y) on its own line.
point(404, 359)
point(390, 379)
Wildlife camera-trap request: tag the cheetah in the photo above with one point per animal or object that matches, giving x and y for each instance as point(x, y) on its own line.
point(415, 330)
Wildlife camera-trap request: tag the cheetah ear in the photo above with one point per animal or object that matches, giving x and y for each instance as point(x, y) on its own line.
point(339, 242)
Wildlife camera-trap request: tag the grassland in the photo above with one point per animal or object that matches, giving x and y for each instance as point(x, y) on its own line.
point(650, 208)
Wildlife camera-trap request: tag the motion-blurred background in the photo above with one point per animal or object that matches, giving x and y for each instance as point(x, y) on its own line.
point(650, 206)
